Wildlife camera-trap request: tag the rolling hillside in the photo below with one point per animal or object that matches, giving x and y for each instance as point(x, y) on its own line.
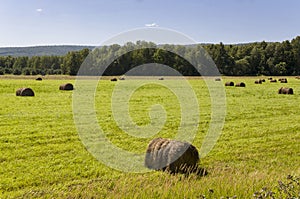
point(40, 50)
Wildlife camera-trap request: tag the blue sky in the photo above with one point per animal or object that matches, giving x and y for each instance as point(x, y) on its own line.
point(56, 22)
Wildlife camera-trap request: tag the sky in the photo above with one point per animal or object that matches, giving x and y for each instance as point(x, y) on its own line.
point(92, 22)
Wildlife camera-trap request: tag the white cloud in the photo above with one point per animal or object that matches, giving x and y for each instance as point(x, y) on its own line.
point(151, 25)
point(39, 10)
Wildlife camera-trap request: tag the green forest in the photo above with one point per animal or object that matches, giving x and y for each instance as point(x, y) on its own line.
point(259, 58)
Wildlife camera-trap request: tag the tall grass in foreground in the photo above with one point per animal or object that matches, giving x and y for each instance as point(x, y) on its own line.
point(41, 155)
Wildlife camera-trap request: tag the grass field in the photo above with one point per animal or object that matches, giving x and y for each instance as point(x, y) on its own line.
point(42, 156)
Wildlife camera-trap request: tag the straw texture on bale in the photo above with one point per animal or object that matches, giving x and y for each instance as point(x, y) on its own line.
point(241, 84)
point(172, 156)
point(284, 90)
point(24, 92)
point(229, 84)
point(66, 87)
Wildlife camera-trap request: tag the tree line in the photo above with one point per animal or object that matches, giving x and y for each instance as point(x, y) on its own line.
point(259, 58)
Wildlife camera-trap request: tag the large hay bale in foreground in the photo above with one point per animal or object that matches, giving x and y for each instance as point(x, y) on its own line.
point(229, 84)
point(25, 92)
point(171, 155)
point(285, 90)
point(241, 84)
point(66, 87)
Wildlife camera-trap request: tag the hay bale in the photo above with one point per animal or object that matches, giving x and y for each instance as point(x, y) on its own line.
point(241, 84)
point(229, 84)
point(39, 79)
point(258, 82)
point(121, 78)
point(218, 79)
point(161, 78)
point(283, 80)
point(263, 80)
point(66, 87)
point(285, 90)
point(25, 92)
point(172, 156)
point(270, 78)
point(114, 79)
point(273, 81)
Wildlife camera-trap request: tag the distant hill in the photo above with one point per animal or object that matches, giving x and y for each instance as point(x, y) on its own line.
point(40, 50)
point(58, 49)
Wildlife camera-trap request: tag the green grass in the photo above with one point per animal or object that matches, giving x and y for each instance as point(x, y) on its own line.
point(41, 155)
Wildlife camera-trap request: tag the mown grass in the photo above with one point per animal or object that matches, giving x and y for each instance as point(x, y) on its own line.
point(41, 155)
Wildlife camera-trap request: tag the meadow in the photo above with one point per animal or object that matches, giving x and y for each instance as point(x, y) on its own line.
point(42, 156)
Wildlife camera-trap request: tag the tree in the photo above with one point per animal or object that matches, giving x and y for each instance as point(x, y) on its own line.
point(224, 62)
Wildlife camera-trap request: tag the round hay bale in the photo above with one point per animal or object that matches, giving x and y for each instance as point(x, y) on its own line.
point(270, 78)
point(25, 92)
point(114, 79)
point(121, 78)
point(229, 84)
point(66, 87)
point(218, 79)
point(258, 82)
point(172, 156)
point(161, 78)
point(285, 90)
point(39, 79)
point(263, 80)
point(273, 81)
point(283, 80)
point(241, 84)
